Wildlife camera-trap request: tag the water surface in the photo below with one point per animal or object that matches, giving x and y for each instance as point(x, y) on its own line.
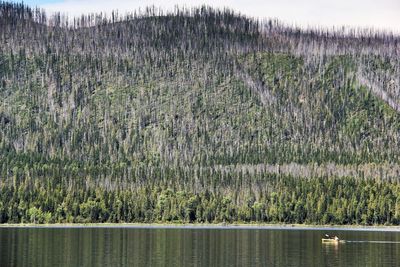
point(194, 247)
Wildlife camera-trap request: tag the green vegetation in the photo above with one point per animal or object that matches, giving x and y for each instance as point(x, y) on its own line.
point(275, 199)
point(134, 119)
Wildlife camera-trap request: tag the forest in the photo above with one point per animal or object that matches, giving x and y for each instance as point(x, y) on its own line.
point(196, 116)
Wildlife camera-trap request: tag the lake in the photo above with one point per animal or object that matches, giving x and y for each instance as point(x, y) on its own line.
point(191, 246)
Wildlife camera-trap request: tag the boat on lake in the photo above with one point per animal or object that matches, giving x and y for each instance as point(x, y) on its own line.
point(332, 239)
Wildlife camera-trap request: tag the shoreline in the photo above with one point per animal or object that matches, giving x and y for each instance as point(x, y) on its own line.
point(239, 226)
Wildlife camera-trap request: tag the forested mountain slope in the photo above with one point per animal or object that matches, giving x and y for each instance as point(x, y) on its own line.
point(199, 115)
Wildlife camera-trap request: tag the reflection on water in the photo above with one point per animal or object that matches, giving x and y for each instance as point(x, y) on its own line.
point(194, 247)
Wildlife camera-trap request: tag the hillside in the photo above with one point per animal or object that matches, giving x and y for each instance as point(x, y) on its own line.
point(199, 115)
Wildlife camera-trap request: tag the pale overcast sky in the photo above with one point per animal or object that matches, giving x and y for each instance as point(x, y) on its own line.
point(379, 14)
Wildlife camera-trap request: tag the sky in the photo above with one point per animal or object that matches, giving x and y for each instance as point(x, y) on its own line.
point(378, 14)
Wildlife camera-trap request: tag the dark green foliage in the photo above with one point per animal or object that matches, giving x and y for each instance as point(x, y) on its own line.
point(276, 199)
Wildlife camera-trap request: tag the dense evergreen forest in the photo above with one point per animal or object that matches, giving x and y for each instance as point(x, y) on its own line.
point(196, 115)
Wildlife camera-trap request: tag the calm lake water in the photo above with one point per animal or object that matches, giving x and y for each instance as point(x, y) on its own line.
point(194, 247)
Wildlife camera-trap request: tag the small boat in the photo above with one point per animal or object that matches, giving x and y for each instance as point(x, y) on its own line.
point(332, 239)
point(329, 240)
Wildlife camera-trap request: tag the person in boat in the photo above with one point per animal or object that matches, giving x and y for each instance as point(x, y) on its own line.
point(332, 237)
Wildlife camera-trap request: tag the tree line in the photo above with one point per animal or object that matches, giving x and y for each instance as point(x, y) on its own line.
point(281, 199)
